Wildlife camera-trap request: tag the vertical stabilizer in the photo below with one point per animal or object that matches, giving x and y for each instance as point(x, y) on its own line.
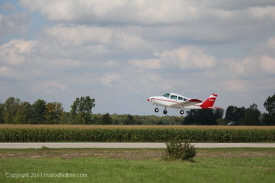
point(209, 103)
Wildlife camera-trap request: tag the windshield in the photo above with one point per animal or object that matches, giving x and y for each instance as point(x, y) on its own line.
point(166, 95)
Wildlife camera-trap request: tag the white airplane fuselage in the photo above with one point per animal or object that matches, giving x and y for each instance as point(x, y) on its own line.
point(176, 101)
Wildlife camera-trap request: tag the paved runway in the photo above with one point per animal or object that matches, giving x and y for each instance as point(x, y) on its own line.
point(128, 145)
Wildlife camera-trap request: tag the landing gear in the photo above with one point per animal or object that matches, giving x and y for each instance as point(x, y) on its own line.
point(181, 112)
point(157, 110)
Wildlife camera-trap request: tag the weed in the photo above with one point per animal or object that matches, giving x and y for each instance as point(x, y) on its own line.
point(179, 150)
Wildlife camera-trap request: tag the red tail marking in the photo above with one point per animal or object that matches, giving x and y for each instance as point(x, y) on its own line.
point(209, 102)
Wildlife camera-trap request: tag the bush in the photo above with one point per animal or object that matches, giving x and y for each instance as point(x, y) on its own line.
point(179, 150)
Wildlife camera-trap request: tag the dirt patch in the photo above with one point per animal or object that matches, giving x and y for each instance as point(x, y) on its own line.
point(130, 154)
point(75, 153)
point(235, 153)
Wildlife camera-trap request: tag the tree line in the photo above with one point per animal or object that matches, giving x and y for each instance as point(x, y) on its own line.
point(14, 111)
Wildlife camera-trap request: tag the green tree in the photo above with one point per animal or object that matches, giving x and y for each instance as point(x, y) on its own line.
point(107, 119)
point(1, 113)
point(222, 121)
point(269, 104)
point(23, 114)
point(234, 113)
point(203, 117)
point(78, 119)
point(82, 109)
point(65, 118)
point(10, 109)
point(252, 116)
point(97, 119)
point(38, 109)
point(229, 115)
point(53, 114)
point(218, 115)
point(129, 120)
point(189, 119)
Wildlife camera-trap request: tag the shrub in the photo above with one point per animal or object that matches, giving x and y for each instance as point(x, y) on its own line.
point(178, 150)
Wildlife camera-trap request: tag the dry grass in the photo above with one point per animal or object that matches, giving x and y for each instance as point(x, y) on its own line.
point(135, 126)
point(133, 153)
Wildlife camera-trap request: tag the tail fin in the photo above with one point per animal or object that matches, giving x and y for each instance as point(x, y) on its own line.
point(208, 103)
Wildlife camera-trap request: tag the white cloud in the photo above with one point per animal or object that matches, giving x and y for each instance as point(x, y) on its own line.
point(111, 79)
point(268, 64)
point(13, 24)
point(72, 36)
point(183, 58)
point(237, 85)
point(128, 41)
point(271, 42)
point(18, 73)
point(154, 11)
point(99, 38)
point(188, 58)
point(212, 21)
point(111, 63)
point(144, 11)
point(5, 71)
point(6, 6)
point(135, 47)
point(258, 63)
point(263, 13)
point(146, 64)
point(245, 67)
point(15, 51)
point(48, 87)
point(270, 47)
point(149, 81)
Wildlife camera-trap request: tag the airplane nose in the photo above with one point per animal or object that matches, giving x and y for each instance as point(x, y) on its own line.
point(149, 99)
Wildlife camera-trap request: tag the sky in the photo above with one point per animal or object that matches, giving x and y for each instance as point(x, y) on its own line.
point(119, 51)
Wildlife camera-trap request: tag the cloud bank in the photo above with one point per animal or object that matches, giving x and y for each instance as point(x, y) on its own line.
point(117, 52)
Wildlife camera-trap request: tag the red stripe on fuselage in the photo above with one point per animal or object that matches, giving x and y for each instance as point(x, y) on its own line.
point(167, 101)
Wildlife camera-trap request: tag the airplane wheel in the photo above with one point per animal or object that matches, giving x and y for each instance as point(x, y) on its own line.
point(156, 110)
point(181, 111)
point(165, 112)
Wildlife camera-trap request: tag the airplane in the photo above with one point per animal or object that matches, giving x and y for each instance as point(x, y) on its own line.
point(173, 100)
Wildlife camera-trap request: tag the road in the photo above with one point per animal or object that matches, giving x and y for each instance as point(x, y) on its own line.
point(128, 145)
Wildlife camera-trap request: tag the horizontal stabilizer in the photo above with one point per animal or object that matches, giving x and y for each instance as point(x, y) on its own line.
point(195, 101)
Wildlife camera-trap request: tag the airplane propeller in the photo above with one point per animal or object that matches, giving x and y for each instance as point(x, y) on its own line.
point(149, 100)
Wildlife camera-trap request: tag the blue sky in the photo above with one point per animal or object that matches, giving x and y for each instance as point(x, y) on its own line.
point(118, 51)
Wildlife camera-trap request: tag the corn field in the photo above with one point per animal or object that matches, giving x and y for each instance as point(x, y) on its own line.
point(71, 133)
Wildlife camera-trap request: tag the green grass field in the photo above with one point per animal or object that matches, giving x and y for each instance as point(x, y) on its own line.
point(136, 165)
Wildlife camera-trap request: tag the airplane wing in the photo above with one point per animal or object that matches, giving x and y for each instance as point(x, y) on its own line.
point(186, 103)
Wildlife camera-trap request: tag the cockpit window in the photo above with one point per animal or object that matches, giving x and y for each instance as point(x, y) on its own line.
point(173, 97)
point(166, 95)
point(180, 98)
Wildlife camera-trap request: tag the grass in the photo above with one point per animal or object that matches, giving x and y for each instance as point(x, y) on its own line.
point(136, 165)
point(134, 126)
